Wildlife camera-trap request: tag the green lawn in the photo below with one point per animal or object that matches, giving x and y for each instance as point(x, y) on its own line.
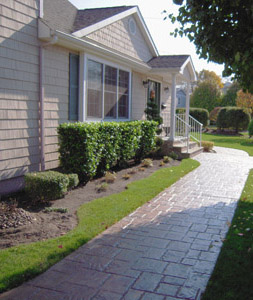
point(236, 142)
point(232, 278)
point(18, 264)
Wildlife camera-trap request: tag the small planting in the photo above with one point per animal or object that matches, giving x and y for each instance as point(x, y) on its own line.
point(44, 186)
point(142, 169)
point(110, 177)
point(73, 181)
point(167, 159)
point(126, 176)
point(132, 171)
point(208, 146)
point(173, 155)
point(147, 163)
point(162, 163)
point(102, 187)
point(55, 209)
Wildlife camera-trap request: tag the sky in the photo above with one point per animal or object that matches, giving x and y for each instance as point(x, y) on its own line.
point(159, 29)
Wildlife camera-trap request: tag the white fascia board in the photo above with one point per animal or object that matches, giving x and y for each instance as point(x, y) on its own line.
point(86, 46)
point(166, 70)
point(85, 31)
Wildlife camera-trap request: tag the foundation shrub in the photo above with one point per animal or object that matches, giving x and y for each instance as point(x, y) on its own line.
point(73, 181)
point(44, 186)
point(200, 114)
point(208, 146)
point(88, 149)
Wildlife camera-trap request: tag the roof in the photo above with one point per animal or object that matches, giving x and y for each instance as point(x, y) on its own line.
point(60, 15)
point(88, 17)
point(168, 61)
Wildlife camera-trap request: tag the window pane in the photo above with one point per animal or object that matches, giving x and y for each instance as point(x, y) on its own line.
point(110, 92)
point(123, 104)
point(94, 102)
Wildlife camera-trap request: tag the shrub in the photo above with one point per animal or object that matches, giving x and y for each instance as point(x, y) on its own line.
point(43, 186)
point(167, 159)
point(147, 162)
point(173, 155)
point(250, 128)
point(208, 146)
point(91, 148)
point(200, 114)
point(73, 181)
point(233, 117)
point(110, 177)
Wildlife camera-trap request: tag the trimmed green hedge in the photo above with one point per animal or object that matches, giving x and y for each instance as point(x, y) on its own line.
point(49, 185)
point(91, 148)
point(200, 114)
point(233, 117)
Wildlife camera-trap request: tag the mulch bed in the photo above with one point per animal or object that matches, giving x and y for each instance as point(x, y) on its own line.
point(23, 222)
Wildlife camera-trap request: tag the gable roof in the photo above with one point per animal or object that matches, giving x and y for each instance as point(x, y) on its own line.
point(168, 61)
point(88, 17)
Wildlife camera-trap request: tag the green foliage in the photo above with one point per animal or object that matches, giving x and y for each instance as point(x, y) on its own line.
point(222, 32)
point(250, 128)
point(229, 99)
point(91, 148)
point(233, 117)
point(21, 263)
point(44, 186)
point(152, 111)
point(206, 95)
point(73, 181)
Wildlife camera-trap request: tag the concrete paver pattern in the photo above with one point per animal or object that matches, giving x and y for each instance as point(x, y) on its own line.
point(165, 250)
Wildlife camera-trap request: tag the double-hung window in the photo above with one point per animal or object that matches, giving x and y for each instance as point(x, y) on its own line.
point(108, 95)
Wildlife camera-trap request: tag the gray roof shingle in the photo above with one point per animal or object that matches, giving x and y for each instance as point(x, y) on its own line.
point(168, 61)
point(87, 17)
point(60, 15)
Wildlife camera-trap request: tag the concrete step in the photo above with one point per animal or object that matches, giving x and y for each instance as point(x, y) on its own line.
point(192, 152)
point(182, 147)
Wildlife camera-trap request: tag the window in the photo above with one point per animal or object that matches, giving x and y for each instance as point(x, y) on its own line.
point(107, 91)
point(73, 86)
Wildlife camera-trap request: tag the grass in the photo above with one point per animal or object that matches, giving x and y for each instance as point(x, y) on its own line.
point(232, 278)
point(18, 264)
point(237, 142)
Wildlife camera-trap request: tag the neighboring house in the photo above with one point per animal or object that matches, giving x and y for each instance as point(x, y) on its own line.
point(181, 98)
point(60, 64)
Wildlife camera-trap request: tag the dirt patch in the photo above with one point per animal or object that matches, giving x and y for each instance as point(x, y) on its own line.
point(21, 222)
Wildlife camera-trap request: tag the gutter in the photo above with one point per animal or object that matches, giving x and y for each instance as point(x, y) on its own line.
point(52, 41)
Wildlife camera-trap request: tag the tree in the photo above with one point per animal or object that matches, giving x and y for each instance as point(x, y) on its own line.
point(222, 33)
point(152, 111)
point(206, 95)
point(229, 99)
point(211, 76)
point(245, 100)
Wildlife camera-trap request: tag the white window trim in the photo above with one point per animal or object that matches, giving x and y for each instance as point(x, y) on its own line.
point(85, 98)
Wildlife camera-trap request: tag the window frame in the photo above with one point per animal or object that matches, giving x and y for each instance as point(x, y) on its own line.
point(71, 115)
point(118, 68)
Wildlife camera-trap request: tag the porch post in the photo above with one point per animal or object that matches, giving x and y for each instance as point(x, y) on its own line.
point(173, 108)
point(187, 104)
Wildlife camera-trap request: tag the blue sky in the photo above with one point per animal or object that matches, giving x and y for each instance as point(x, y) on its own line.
point(159, 29)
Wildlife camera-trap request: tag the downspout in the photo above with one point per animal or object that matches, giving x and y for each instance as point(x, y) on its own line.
point(41, 99)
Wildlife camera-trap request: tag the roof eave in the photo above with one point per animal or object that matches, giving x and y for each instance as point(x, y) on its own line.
point(74, 43)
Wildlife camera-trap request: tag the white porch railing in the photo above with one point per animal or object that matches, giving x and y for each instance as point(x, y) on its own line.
point(184, 131)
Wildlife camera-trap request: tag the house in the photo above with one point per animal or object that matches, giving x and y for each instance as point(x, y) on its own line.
point(60, 64)
point(181, 98)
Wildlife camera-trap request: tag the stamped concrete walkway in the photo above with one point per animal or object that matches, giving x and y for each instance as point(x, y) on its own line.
point(165, 250)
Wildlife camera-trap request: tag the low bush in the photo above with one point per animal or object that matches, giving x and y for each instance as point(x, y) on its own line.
point(208, 146)
point(250, 128)
point(233, 117)
point(44, 186)
point(91, 148)
point(73, 181)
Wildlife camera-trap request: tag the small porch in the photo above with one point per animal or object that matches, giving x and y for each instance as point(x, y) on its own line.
point(181, 132)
